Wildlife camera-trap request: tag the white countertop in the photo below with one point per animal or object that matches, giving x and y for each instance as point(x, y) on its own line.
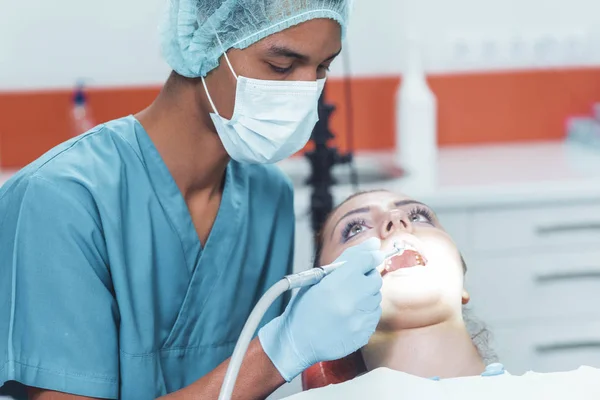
point(486, 176)
point(479, 176)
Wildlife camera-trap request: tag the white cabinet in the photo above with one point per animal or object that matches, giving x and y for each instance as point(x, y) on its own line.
point(552, 346)
point(533, 227)
point(558, 284)
point(457, 224)
point(534, 279)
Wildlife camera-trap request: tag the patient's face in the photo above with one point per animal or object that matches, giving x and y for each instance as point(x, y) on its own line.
point(414, 295)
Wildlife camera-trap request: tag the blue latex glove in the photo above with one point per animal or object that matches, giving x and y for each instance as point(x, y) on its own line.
point(331, 319)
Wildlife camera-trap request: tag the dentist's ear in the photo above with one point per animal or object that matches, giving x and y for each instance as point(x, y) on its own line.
point(466, 297)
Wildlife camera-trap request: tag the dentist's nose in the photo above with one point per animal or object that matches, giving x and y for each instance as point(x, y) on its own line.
point(395, 220)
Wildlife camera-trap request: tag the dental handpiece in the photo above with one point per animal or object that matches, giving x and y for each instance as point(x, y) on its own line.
point(302, 279)
point(315, 275)
point(329, 268)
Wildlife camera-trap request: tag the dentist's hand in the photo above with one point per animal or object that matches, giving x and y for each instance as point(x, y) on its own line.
point(331, 319)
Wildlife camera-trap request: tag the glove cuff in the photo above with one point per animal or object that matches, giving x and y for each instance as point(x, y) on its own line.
point(278, 346)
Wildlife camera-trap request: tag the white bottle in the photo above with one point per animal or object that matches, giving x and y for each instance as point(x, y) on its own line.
point(416, 124)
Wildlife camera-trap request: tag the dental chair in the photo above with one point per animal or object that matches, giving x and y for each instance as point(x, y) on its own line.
point(335, 379)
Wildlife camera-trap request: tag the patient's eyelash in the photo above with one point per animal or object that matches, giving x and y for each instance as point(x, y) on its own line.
point(423, 212)
point(347, 231)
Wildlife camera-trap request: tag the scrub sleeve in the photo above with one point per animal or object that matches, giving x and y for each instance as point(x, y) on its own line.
point(62, 330)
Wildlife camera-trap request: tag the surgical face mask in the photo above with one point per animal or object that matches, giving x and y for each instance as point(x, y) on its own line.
point(271, 120)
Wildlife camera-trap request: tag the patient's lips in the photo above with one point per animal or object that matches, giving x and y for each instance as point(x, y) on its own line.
point(408, 259)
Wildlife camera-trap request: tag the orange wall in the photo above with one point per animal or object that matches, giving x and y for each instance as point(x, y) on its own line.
point(473, 109)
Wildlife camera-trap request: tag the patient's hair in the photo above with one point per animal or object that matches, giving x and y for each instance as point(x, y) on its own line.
point(480, 335)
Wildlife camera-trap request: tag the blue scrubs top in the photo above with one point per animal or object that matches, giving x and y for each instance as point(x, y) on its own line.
point(105, 288)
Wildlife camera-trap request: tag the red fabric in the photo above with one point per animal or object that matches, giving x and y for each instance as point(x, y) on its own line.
point(332, 372)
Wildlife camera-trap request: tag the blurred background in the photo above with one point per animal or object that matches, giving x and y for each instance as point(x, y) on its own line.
point(503, 71)
point(514, 176)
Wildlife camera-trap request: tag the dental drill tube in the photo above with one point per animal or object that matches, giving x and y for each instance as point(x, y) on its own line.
point(243, 342)
point(299, 280)
point(302, 279)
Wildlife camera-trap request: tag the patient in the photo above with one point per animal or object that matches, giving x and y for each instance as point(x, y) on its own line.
point(423, 330)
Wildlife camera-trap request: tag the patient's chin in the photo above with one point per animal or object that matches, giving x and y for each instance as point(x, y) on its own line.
point(408, 295)
point(417, 312)
point(411, 322)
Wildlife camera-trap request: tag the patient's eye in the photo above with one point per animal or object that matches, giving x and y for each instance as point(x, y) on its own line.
point(418, 218)
point(353, 228)
point(421, 215)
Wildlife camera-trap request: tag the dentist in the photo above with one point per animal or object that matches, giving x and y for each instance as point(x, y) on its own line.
point(131, 256)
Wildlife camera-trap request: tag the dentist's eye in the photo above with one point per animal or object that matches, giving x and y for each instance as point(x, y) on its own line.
point(280, 70)
point(421, 215)
point(353, 228)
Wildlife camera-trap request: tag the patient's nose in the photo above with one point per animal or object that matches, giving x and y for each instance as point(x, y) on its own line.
point(396, 220)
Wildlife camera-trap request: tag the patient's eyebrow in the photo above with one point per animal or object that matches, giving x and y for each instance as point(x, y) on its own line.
point(361, 210)
point(409, 202)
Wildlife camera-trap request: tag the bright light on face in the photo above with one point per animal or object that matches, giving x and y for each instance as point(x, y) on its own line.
point(424, 282)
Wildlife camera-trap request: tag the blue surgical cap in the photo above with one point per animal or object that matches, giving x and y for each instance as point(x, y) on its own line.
point(196, 32)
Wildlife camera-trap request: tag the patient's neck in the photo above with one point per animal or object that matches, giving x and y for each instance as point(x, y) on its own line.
point(445, 350)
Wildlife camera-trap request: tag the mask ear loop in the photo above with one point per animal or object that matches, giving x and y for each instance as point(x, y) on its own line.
point(210, 100)
point(226, 58)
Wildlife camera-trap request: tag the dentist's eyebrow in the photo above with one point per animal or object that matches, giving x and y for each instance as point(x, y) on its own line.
point(362, 210)
point(334, 55)
point(281, 51)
